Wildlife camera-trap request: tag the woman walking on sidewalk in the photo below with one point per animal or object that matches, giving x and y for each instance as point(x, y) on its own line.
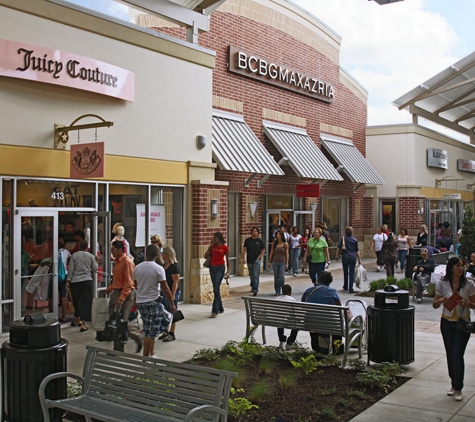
point(219, 263)
point(455, 340)
point(317, 250)
point(279, 258)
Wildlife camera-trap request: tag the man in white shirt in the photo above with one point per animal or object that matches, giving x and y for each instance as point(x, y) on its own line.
point(148, 277)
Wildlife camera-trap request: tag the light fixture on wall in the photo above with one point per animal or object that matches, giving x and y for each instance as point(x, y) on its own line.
point(313, 206)
point(214, 208)
point(253, 208)
point(470, 186)
point(200, 141)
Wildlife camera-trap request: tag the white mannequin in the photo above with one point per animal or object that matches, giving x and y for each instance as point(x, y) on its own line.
point(120, 236)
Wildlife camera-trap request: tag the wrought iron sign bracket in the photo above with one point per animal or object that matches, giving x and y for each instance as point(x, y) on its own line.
point(61, 132)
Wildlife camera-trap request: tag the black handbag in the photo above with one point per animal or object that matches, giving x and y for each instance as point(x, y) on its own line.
point(466, 326)
point(115, 328)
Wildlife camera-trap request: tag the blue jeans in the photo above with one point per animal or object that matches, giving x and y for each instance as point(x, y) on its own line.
point(455, 342)
point(254, 269)
point(217, 273)
point(294, 259)
point(279, 276)
point(349, 265)
point(401, 255)
point(315, 269)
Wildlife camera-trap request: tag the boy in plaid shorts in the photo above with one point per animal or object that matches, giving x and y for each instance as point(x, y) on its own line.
point(148, 275)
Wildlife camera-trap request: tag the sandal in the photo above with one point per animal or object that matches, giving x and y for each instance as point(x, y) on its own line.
point(83, 329)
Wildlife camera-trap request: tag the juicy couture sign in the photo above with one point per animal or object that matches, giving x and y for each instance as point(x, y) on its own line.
point(261, 69)
point(24, 61)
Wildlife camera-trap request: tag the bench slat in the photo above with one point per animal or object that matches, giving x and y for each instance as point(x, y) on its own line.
point(124, 387)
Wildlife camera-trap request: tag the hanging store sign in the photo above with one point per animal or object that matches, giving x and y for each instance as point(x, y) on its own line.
point(308, 191)
point(25, 61)
point(86, 160)
point(466, 165)
point(437, 158)
point(259, 68)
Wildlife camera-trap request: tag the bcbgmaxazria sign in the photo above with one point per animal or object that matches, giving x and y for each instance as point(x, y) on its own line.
point(24, 61)
point(271, 72)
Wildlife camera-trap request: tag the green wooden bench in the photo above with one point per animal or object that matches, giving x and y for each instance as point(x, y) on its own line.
point(303, 316)
point(118, 386)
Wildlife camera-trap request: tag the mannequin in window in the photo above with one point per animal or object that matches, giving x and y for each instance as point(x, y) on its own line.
point(120, 237)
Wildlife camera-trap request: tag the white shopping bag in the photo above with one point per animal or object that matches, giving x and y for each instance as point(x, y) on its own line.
point(360, 276)
point(100, 313)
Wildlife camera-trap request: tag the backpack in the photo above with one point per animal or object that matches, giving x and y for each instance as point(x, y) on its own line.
point(61, 269)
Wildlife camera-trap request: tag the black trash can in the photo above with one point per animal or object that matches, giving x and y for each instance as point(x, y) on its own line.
point(34, 351)
point(412, 257)
point(391, 328)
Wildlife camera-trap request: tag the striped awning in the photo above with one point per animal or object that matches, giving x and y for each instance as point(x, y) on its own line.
point(357, 167)
point(236, 147)
point(302, 153)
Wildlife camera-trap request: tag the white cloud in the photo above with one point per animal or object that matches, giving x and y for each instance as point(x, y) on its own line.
point(389, 49)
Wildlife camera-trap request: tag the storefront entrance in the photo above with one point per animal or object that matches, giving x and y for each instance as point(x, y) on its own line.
point(36, 256)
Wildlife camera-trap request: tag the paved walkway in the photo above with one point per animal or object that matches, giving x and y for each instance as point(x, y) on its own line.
point(423, 398)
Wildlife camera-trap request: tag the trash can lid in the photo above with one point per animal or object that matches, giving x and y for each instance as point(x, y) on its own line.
point(40, 335)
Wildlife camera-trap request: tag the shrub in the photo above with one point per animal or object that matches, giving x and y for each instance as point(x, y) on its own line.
point(356, 364)
point(307, 364)
point(377, 284)
point(239, 405)
point(287, 380)
point(375, 380)
point(404, 283)
point(260, 391)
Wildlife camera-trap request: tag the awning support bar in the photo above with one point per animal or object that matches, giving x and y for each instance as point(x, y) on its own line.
point(357, 187)
point(248, 181)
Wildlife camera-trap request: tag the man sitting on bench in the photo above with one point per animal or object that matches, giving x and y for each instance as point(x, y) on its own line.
point(323, 294)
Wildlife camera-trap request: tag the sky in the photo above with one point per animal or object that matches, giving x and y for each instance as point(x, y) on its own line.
point(388, 49)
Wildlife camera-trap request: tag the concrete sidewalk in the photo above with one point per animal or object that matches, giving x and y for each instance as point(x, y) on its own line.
point(423, 398)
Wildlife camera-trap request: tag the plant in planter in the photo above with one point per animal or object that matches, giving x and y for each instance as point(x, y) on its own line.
point(467, 239)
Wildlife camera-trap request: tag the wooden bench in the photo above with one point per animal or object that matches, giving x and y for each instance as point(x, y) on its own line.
point(118, 386)
point(323, 319)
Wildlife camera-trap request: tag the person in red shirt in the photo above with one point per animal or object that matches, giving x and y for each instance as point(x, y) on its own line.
point(219, 253)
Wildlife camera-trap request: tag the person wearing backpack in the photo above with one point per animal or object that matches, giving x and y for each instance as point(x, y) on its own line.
point(63, 257)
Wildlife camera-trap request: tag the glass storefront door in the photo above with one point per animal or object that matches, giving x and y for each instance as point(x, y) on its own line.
point(35, 263)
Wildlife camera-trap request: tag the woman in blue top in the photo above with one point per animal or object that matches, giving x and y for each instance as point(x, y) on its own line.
point(350, 253)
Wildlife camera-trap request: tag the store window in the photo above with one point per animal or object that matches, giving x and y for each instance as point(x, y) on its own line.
point(7, 259)
point(53, 193)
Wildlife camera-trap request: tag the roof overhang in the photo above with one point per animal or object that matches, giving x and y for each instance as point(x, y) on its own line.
point(235, 147)
point(302, 154)
point(351, 161)
point(447, 98)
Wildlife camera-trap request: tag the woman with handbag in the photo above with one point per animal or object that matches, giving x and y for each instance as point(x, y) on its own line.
point(348, 245)
point(457, 295)
point(279, 258)
point(172, 271)
point(219, 253)
point(317, 255)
